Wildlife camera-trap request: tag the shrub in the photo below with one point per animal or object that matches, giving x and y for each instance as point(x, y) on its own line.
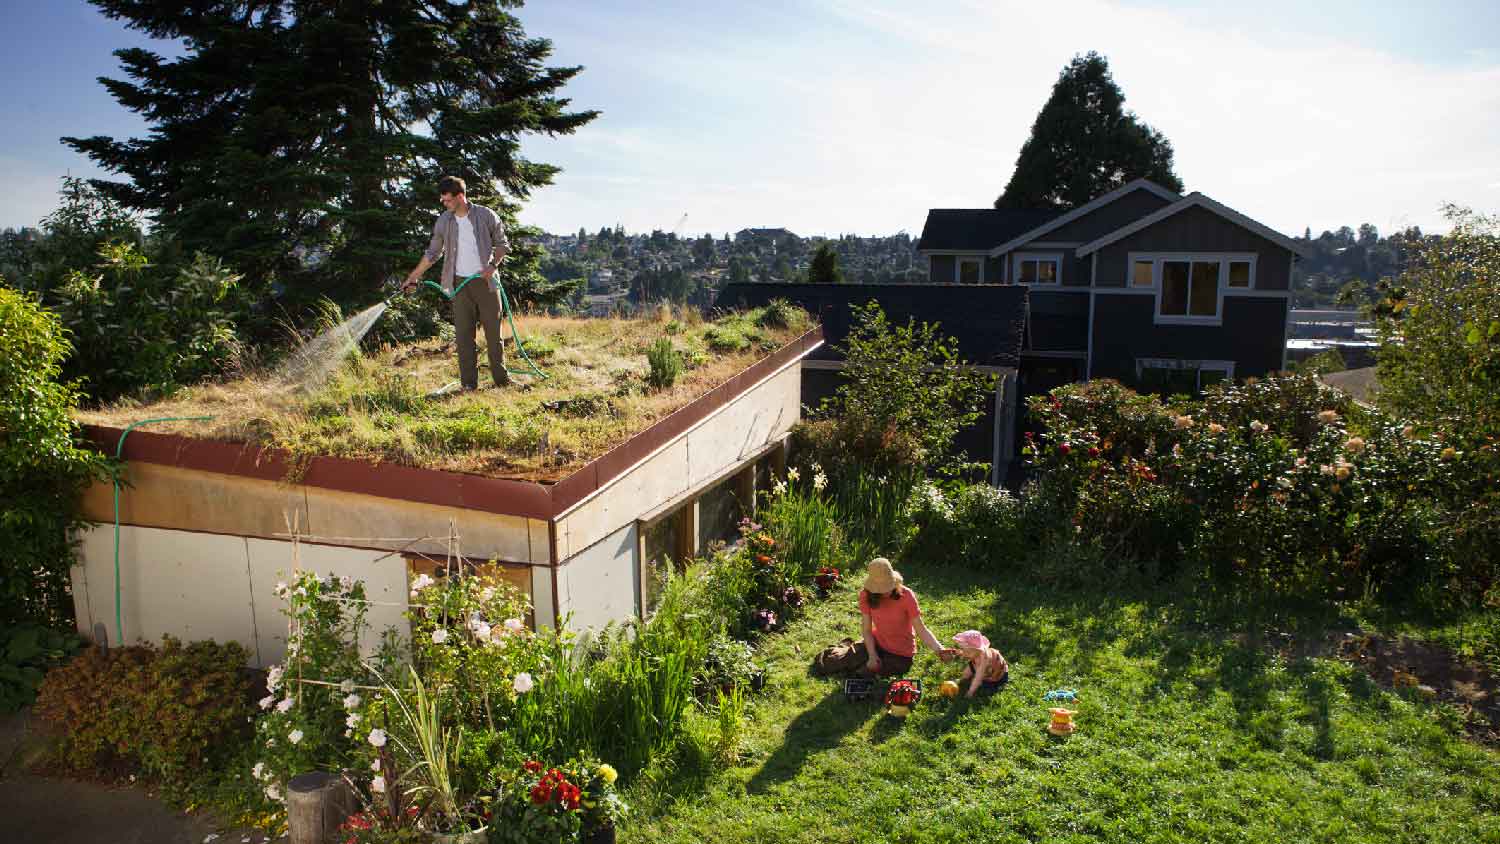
point(27, 651)
point(196, 699)
point(665, 362)
point(42, 469)
point(975, 523)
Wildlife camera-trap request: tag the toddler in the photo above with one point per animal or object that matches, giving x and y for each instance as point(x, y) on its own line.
point(987, 669)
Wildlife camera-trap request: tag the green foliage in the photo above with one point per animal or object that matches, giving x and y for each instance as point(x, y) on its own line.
point(1321, 363)
point(665, 362)
point(1084, 144)
point(196, 698)
point(905, 396)
point(779, 313)
point(145, 328)
point(825, 266)
point(42, 469)
point(71, 236)
point(326, 189)
point(1277, 484)
point(977, 523)
point(27, 651)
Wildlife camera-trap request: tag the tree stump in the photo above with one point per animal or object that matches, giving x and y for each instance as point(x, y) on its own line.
point(316, 805)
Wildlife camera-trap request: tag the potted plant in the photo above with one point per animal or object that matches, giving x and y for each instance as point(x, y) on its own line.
point(572, 802)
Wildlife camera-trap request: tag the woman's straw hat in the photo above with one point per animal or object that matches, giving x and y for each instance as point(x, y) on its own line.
point(881, 578)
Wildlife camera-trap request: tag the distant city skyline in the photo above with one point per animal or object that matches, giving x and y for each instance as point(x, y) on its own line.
point(840, 117)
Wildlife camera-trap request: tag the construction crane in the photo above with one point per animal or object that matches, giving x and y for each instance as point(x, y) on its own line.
point(680, 222)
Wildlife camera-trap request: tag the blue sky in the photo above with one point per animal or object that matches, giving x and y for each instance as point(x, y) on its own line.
point(859, 115)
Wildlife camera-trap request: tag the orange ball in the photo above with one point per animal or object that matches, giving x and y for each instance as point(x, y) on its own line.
point(948, 689)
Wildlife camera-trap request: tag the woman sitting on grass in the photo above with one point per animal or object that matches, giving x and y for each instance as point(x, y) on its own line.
point(891, 621)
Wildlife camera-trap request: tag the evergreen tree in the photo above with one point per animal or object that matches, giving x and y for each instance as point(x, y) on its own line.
point(302, 141)
point(1084, 144)
point(825, 266)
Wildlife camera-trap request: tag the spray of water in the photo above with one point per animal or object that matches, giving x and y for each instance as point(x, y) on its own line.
point(311, 364)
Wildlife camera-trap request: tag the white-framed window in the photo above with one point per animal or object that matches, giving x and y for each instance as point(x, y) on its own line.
point(1036, 268)
point(1190, 287)
point(1175, 375)
point(970, 270)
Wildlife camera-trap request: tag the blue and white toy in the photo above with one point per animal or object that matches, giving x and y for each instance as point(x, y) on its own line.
point(1065, 695)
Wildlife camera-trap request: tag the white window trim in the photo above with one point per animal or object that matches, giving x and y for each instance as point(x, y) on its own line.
point(1200, 366)
point(958, 268)
point(1015, 267)
point(1156, 259)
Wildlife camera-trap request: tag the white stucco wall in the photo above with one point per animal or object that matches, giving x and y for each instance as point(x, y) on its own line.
point(209, 586)
point(731, 436)
point(598, 585)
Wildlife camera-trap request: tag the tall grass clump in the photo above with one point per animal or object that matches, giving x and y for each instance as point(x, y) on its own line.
point(665, 362)
point(806, 524)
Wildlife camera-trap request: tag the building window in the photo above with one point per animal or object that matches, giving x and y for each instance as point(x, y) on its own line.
point(1190, 288)
point(666, 545)
point(1038, 269)
point(969, 270)
point(719, 513)
point(1171, 376)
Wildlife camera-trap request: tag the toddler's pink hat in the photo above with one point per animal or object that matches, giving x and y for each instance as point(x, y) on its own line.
point(972, 639)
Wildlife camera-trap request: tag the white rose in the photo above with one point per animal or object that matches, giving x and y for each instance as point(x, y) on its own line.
point(347, 687)
point(439, 636)
point(351, 701)
point(294, 736)
point(375, 766)
point(285, 705)
point(422, 582)
point(273, 677)
point(523, 683)
point(515, 625)
point(377, 737)
point(378, 784)
point(265, 702)
point(353, 720)
point(273, 792)
point(259, 771)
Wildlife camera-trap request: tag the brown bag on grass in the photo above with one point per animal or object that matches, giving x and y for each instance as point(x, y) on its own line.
point(846, 657)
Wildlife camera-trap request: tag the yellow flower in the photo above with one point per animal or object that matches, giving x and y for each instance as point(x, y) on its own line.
point(1341, 471)
point(607, 773)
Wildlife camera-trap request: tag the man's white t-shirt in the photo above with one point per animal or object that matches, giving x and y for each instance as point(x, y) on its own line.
point(467, 256)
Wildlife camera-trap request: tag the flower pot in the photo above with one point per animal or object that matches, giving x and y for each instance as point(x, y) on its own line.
point(598, 835)
point(477, 836)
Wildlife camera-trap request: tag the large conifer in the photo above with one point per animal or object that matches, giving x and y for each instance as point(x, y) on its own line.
point(301, 140)
point(1084, 144)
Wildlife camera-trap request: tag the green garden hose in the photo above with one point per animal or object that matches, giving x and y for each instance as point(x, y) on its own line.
point(506, 310)
point(119, 454)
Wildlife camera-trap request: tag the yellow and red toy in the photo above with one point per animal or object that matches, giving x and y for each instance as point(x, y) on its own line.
point(1062, 721)
point(902, 696)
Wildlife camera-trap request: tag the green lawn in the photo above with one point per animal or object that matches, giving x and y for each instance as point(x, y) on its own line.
point(1185, 735)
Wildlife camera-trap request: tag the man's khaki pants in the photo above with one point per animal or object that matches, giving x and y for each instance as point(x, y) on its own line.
point(478, 303)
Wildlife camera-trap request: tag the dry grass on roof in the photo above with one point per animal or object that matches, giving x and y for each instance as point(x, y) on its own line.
point(377, 407)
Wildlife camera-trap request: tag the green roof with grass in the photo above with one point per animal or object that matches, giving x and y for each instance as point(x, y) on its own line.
point(604, 383)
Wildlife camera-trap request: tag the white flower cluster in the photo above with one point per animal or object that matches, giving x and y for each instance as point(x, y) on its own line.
point(422, 582)
point(820, 480)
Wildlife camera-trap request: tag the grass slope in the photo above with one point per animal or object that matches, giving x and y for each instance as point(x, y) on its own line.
point(1185, 735)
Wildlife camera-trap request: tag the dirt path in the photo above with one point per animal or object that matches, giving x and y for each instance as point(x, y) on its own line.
point(41, 810)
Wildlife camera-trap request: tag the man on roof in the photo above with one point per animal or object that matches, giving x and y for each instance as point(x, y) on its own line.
point(471, 241)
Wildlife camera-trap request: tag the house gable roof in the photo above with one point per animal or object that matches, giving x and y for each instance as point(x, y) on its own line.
point(1193, 200)
point(977, 229)
point(1063, 219)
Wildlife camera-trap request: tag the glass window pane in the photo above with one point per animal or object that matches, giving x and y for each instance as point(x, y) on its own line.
point(1174, 288)
point(1028, 272)
point(1210, 377)
point(1141, 277)
point(1205, 299)
point(662, 541)
point(1239, 273)
point(1046, 272)
point(968, 272)
point(719, 513)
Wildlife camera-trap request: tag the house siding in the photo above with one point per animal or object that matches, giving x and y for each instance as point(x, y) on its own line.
point(944, 269)
point(1101, 221)
point(1197, 230)
point(1124, 329)
point(1059, 321)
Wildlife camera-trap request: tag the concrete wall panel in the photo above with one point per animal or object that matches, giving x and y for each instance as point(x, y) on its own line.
point(541, 597)
point(189, 585)
point(365, 517)
point(598, 585)
point(208, 502)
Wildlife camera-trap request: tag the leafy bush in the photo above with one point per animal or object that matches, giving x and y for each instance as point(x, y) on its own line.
point(977, 522)
point(1303, 503)
point(42, 469)
point(730, 664)
point(726, 338)
point(905, 395)
point(665, 362)
point(27, 651)
point(197, 699)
